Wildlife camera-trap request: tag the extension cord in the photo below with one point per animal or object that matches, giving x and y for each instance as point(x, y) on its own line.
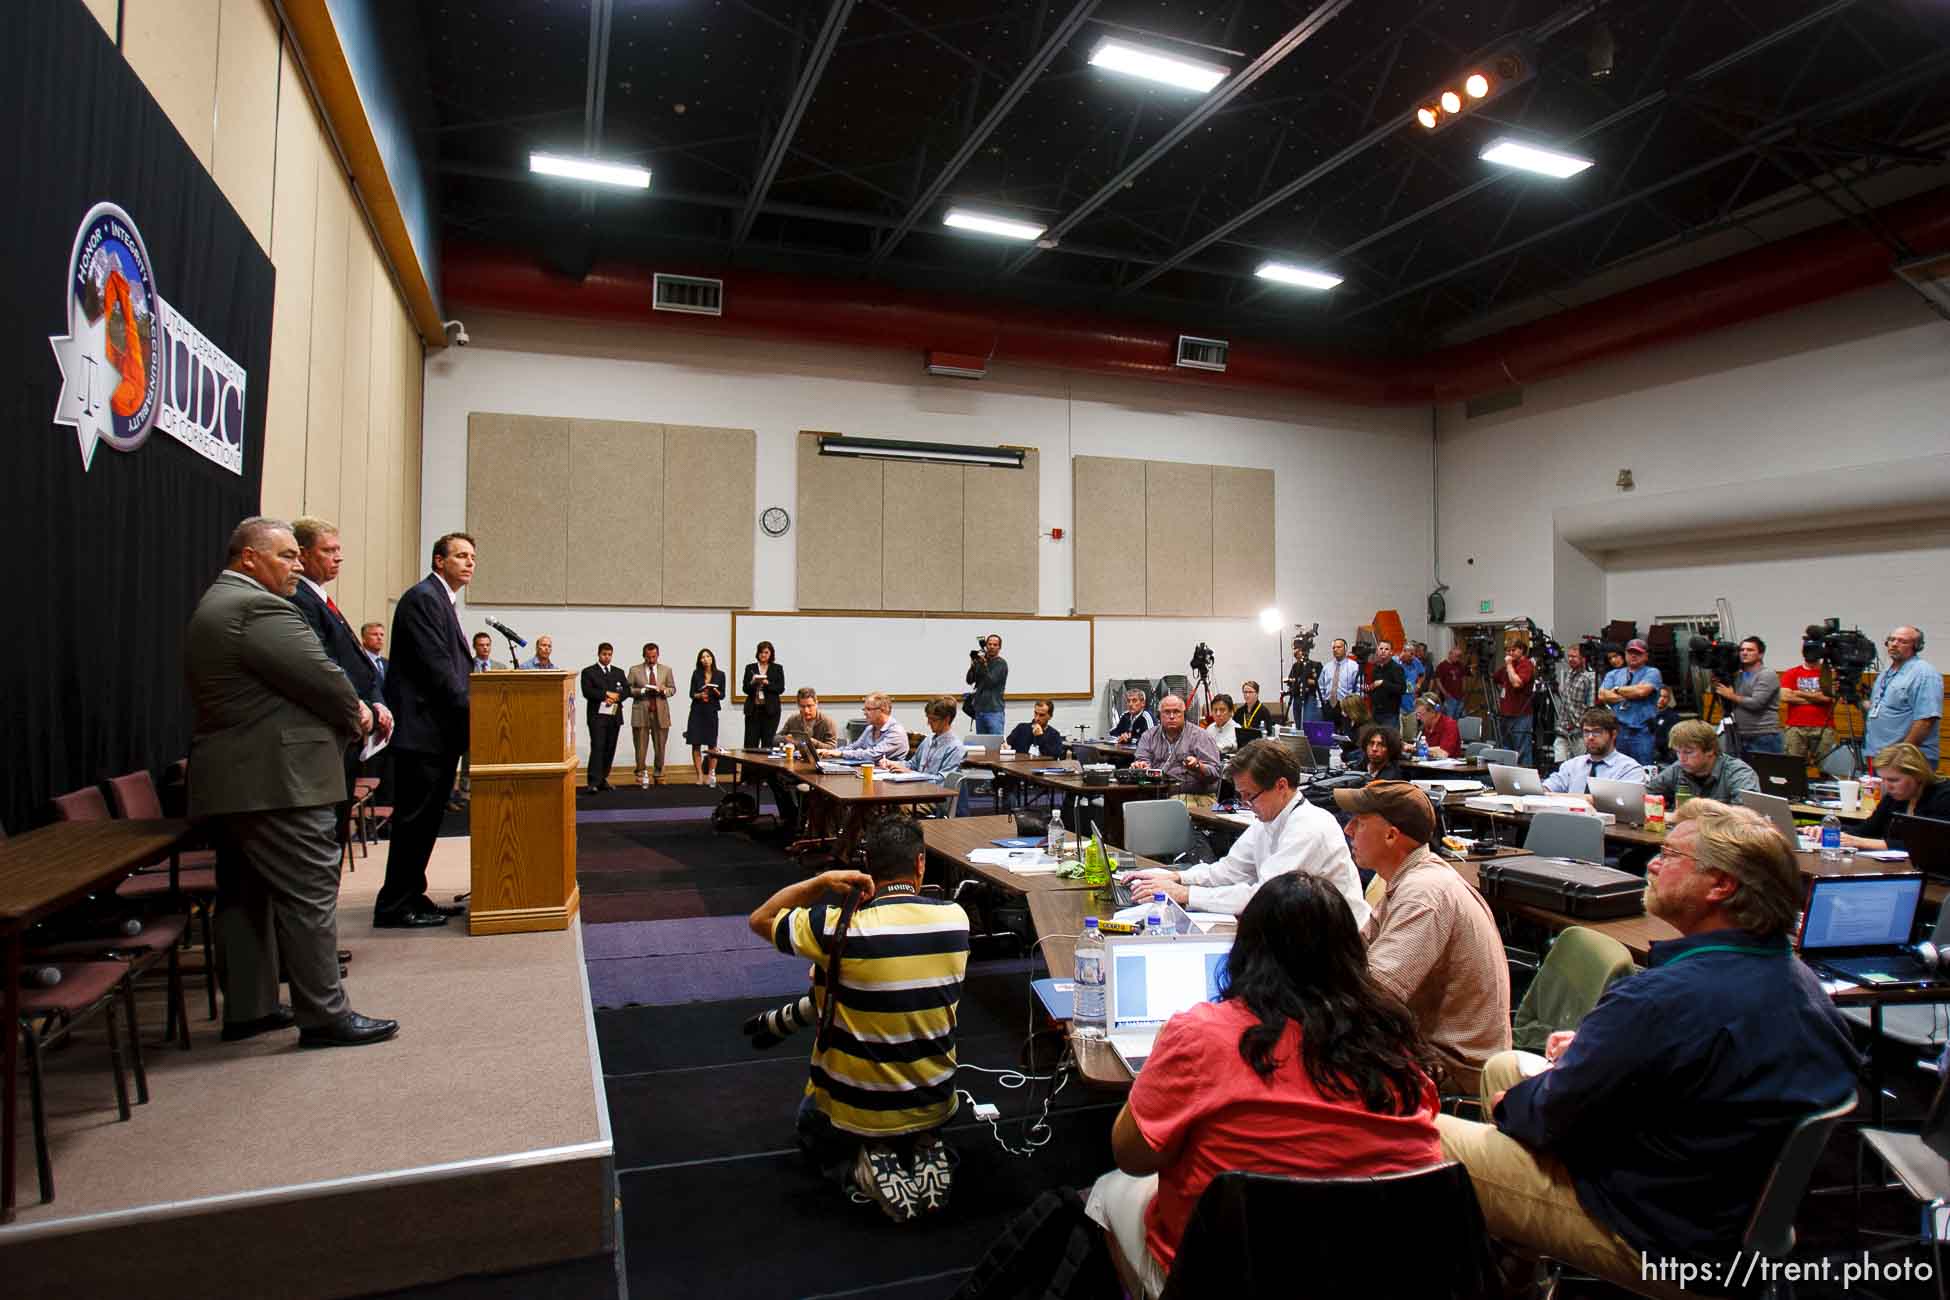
point(987, 1111)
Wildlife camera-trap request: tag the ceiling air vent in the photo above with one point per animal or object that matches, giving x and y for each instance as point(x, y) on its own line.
point(1491, 403)
point(689, 293)
point(1201, 354)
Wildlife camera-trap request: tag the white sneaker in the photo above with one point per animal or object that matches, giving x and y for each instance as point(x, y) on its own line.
point(711, 781)
point(643, 782)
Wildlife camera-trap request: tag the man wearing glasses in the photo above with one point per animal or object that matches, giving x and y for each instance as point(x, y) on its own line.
point(1649, 1133)
point(1600, 757)
point(1907, 702)
point(1701, 771)
point(1287, 834)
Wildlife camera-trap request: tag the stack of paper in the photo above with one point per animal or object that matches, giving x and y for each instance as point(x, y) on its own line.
point(1450, 785)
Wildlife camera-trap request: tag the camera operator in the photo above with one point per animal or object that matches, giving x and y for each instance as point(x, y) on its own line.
point(1516, 679)
point(1577, 693)
point(1754, 698)
point(1810, 694)
point(1632, 692)
point(1390, 684)
point(1907, 702)
point(988, 673)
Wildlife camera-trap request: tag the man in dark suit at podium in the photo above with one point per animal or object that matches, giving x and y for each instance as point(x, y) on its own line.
point(605, 687)
point(426, 688)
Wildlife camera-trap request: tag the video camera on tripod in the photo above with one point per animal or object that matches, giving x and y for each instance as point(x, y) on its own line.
point(1847, 651)
point(1719, 657)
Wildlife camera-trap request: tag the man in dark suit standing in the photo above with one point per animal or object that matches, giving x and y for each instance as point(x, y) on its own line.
point(321, 553)
point(426, 688)
point(604, 686)
point(372, 640)
point(267, 768)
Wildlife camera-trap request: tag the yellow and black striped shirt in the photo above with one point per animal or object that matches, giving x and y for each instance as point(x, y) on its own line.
point(889, 1062)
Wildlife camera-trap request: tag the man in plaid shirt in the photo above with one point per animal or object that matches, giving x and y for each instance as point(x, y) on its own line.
point(1577, 690)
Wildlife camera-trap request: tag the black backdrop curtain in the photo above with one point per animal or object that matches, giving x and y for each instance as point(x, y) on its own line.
point(105, 564)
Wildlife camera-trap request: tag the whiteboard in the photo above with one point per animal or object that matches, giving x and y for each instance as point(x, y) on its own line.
point(915, 656)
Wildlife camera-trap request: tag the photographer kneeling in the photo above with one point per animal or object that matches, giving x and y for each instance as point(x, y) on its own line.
point(897, 959)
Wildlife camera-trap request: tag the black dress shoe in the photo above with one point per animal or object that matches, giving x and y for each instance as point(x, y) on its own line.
point(349, 1030)
point(237, 1031)
point(409, 918)
point(344, 956)
point(428, 905)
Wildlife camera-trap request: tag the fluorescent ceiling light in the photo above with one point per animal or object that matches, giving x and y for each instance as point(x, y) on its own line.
point(1300, 275)
point(1152, 65)
point(963, 219)
point(588, 169)
point(1545, 162)
point(937, 452)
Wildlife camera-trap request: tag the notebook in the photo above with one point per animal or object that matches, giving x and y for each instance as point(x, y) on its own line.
point(1926, 840)
point(1515, 780)
point(1782, 775)
point(1857, 928)
point(1149, 978)
point(1624, 800)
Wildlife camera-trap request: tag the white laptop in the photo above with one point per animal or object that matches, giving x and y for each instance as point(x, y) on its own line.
point(1515, 780)
point(1775, 809)
point(1149, 978)
point(1624, 800)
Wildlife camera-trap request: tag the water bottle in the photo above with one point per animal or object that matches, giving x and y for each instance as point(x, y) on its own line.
point(1087, 994)
point(1334, 763)
point(1154, 921)
point(1831, 838)
point(1055, 847)
point(1421, 749)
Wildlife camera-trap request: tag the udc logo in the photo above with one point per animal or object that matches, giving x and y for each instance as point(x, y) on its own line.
point(130, 363)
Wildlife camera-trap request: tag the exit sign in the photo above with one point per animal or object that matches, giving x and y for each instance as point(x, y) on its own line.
point(1485, 607)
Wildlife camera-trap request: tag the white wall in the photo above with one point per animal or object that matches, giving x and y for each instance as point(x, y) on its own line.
point(1858, 381)
point(1352, 486)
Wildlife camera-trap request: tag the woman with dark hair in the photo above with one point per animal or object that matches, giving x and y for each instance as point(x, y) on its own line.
point(764, 688)
point(701, 729)
point(1381, 753)
point(1303, 1067)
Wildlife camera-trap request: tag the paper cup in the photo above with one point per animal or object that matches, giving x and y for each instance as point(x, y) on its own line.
point(1851, 792)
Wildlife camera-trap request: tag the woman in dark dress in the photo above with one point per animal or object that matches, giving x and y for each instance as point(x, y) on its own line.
point(701, 731)
point(764, 687)
point(1381, 753)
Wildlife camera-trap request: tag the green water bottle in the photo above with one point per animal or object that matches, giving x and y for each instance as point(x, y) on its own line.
point(1096, 865)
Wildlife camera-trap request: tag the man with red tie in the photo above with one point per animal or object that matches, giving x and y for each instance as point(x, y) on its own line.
point(320, 553)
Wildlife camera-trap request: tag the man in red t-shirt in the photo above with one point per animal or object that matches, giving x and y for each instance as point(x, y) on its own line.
point(1438, 728)
point(1808, 691)
point(1452, 681)
point(1515, 677)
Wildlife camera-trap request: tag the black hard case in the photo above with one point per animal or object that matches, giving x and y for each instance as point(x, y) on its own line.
point(1585, 890)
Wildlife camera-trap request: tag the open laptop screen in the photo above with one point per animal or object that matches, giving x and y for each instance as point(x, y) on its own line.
point(1860, 912)
point(1155, 981)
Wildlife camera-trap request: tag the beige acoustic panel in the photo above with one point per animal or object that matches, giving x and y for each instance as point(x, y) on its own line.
point(1107, 517)
point(355, 418)
point(1242, 541)
point(1000, 565)
point(518, 508)
point(417, 557)
point(325, 410)
point(838, 522)
point(382, 450)
point(243, 155)
point(294, 220)
point(616, 513)
point(172, 45)
point(921, 562)
point(1177, 538)
point(710, 512)
point(106, 13)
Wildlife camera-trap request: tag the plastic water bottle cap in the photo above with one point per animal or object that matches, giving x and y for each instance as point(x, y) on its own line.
point(1089, 922)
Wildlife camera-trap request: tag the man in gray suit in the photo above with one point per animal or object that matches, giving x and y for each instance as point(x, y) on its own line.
point(273, 715)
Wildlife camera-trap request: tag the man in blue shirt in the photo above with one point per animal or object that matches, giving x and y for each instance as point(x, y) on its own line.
point(544, 656)
point(1632, 692)
point(883, 738)
point(941, 753)
point(1648, 1134)
point(1907, 701)
point(1599, 759)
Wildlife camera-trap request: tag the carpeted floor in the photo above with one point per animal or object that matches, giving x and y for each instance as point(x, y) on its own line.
point(716, 1199)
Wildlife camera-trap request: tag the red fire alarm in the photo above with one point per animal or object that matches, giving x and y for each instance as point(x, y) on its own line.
point(1056, 534)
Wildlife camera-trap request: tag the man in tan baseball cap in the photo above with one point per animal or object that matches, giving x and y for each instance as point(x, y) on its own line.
point(1431, 940)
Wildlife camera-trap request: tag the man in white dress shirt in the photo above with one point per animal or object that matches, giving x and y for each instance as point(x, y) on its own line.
point(1601, 757)
point(1288, 834)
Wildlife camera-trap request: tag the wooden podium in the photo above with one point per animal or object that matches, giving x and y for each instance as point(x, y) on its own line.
point(522, 817)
